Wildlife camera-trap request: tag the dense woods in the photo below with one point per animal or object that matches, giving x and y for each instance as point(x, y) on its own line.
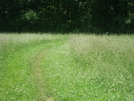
point(67, 15)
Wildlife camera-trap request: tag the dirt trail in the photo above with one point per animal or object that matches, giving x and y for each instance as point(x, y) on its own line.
point(38, 73)
point(36, 63)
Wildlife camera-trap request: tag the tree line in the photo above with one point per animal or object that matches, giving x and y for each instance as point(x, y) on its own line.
point(67, 15)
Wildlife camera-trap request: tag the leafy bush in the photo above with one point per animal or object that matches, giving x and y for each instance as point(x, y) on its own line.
point(30, 16)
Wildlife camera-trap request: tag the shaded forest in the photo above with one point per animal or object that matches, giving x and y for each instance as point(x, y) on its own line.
point(67, 16)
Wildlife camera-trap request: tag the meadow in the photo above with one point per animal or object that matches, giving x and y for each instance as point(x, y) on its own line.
point(70, 67)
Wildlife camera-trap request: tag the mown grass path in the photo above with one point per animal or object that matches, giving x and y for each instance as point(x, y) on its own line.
point(38, 73)
point(58, 68)
point(54, 61)
point(22, 72)
point(36, 64)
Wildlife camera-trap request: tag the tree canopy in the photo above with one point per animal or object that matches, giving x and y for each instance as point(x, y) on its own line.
point(67, 15)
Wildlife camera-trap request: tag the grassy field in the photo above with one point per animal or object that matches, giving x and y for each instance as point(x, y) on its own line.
point(54, 67)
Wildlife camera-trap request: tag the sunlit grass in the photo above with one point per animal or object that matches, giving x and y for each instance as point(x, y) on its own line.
point(48, 67)
point(16, 76)
point(107, 63)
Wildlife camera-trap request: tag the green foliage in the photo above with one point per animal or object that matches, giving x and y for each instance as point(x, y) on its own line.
point(30, 16)
point(130, 20)
point(70, 15)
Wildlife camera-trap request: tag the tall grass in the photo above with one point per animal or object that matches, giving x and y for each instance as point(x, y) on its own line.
point(107, 65)
point(91, 68)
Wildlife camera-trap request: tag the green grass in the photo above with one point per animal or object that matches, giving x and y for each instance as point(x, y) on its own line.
point(107, 63)
point(16, 53)
point(35, 67)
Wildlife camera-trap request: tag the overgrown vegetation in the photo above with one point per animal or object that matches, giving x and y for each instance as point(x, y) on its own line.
point(107, 65)
point(66, 67)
